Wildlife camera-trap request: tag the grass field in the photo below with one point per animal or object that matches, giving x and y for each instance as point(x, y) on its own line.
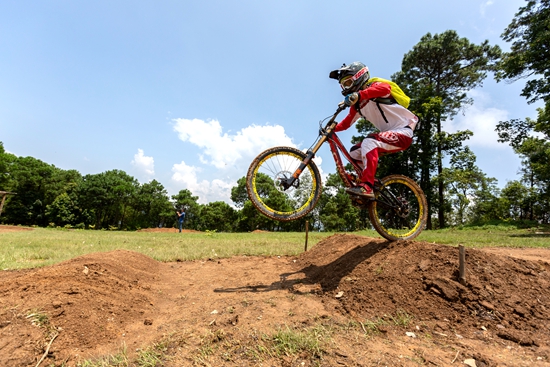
point(42, 247)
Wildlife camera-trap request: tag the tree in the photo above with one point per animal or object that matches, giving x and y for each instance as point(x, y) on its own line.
point(529, 57)
point(250, 219)
point(151, 207)
point(516, 197)
point(4, 176)
point(108, 196)
point(28, 177)
point(63, 211)
point(529, 54)
point(217, 216)
point(336, 212)
point(239, 196)
point(487, 203)
point(441, 69)
point(468, 188)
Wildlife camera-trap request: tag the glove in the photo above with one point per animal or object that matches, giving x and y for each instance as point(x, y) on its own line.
point(351, 99)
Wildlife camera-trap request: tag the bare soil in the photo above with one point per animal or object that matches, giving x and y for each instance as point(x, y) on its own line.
point(371, 302)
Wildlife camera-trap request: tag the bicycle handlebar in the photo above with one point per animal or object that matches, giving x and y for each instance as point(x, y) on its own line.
point(341, 107)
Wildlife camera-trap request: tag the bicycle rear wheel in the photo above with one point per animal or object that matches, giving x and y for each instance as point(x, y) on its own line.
point(263, 184)
point(400, 210)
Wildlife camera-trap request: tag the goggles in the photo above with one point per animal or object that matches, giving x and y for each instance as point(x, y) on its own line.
point(348, 81)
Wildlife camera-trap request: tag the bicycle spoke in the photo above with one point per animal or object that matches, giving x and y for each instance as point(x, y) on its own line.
point(283, 202)
point(399, 209)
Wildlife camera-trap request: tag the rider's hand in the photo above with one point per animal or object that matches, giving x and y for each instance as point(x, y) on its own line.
point(351, 99)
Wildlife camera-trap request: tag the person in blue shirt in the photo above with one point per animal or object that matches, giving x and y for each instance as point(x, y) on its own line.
point(181, 217)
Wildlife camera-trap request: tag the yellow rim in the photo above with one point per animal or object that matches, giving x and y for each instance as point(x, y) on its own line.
point(420, 207)
point(310, 198)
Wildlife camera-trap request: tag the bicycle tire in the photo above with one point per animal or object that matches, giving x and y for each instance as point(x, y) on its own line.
point(270, 198)
point(405, 223)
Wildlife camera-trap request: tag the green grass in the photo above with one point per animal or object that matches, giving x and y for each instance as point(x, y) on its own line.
point(117, 360)
point(287, 341)
point(45, 246)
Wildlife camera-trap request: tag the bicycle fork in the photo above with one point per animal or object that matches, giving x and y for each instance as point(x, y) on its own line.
point(310, 154)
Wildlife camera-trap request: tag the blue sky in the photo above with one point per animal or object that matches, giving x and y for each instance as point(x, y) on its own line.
point(189, 92)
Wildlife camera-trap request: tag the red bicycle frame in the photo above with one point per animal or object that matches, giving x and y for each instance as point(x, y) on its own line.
point(336, 147)
point(328, 134)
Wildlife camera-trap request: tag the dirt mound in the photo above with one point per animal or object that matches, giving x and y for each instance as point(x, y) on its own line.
point(373, 277)
point(90, 299)
point(8, 228)
point(220, 309)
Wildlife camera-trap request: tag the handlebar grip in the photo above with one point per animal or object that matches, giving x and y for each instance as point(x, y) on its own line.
point(353, 98)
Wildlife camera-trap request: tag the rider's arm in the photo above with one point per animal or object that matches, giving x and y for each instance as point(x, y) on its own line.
point(347, 121)
point(376, 90)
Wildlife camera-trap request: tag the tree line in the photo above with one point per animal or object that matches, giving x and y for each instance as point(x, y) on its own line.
point(437, 73)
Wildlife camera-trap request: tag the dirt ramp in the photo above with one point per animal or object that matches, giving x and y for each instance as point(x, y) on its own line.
point(91, 300)
point(369, 278)
point(8, 228)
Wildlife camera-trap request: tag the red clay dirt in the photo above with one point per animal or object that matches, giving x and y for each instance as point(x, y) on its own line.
point(370, 301)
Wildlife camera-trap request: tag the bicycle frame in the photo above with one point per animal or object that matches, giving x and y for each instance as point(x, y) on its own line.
point(327, 134)
point(336, 147)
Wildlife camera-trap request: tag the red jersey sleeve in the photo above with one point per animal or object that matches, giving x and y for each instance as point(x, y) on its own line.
point(346, 122)
point(376, 90)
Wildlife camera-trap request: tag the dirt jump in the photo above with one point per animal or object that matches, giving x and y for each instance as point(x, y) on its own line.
point(370, 302)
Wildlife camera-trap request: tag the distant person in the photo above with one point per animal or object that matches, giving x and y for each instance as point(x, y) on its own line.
point(181, 218)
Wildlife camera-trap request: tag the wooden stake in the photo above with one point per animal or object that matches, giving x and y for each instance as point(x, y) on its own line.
point(462, 264)
point(307, 232)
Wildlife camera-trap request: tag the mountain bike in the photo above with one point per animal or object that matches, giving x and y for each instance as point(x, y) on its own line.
point(284, 184)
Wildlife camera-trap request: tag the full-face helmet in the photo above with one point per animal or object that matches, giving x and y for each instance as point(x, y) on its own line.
point(351, 77)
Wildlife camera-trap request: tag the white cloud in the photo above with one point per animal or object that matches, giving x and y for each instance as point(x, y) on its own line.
point(229, 155)
point(144, 165)
point(484, 5)
point(187, 177)
point(223, 150)
point(481, 120)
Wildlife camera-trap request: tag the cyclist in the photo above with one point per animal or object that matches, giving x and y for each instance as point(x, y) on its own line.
point(373, 101)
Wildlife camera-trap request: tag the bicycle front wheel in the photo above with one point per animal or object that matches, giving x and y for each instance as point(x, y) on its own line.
point(270, 197)
point(400, 210)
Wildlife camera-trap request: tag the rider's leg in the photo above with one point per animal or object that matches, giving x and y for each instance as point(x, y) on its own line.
point(372, 145)
point(384, 142)
point(361, 189)
point(355, 154)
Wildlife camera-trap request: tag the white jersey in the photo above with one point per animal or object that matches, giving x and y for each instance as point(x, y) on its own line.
point(386, 117)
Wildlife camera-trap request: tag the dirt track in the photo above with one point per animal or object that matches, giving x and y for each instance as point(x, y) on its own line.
point(217, 312)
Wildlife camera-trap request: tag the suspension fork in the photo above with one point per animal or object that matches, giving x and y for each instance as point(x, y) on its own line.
point(288, 182)
point(310, 154)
